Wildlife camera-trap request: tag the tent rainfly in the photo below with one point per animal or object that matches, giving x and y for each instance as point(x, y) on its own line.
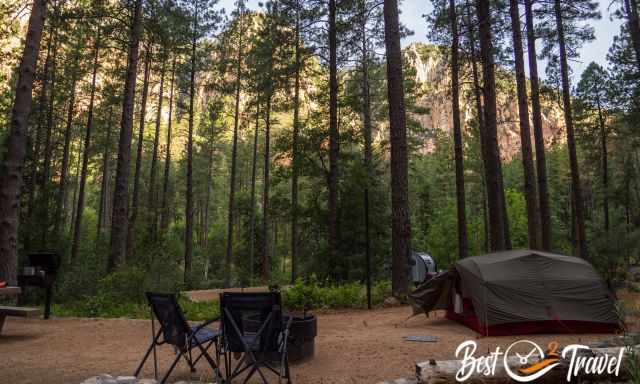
point(521, 292)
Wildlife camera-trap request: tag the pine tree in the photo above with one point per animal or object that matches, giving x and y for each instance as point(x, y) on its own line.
point(12, 163)
point(120, 220)
point(400, 224)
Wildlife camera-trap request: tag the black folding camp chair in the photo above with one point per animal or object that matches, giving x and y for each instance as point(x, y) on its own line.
point(176, 331)
point(252, 328)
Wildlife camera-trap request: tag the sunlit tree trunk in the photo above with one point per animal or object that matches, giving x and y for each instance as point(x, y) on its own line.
point(153, 194)
point(106, 176)
point(64, 167)
point(188, 237)
point(295, 169)
point(400, 220)
point(541, 163)
point(135, 199)
point(87, 152)
point(334, 141)
point(252, 222)
point(120, 219)
point(530, 193)
point(493, 167)
point(578, 205)
point(234, 160)
point(463, 244)
point(164, 210)
point(46, 162)
point(15, 146)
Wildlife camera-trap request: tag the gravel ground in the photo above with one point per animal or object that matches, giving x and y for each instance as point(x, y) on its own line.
point(351, 347)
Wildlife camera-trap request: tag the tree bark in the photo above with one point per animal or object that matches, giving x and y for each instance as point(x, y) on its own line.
point(164, 215)
point(295, 169)
point(334, 141)
point(463, 244)
point(46, 163)
point(188, 238)
point(400, 220)
point(106, 176)
point(581, 241)
point(530, 193)
point(13, 161)
point(135, 198)
point(234, 160)
point(368, 151)
point(75, 244)
point(252, 220)
point(64, 167)
point(120, 220)
point(493, 167)
point(631, 12)
point(605, 166)
point(266, 266)
point(153, 195)
point(42, 101)
point(536, 110)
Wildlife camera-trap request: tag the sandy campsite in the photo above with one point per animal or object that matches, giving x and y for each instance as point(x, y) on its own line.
point(351, 347)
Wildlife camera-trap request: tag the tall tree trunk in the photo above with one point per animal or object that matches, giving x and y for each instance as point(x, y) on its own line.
point(164, 210)
point(530, 193)
point(46, 163)
point(581, 241)
point(15, 145)
point(106, 175)
point(463, 243)
point(188, 237)
point(76, 181)
point(207, 199)
point(135, 198)
point(334, 141)
point(631, 13)
point(605, 166)
point(266, 266)
point(493, 166)
point(541, 163)
point(75, 244)
point(400, 220)
point(484, 153)
point(153, 194)
point(252, 222)
point(64, 167)
point(120, 220)
point(42, 102)
point(295, 169)
point(234, 160)
point(368, 151)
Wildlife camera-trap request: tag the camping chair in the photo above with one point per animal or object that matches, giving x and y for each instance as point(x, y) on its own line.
point(252, 326)
point(176, 331)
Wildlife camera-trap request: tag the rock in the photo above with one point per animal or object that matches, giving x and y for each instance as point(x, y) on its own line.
point(147, 381)
point(92, 380)
point(126, 380)
point(391, 302)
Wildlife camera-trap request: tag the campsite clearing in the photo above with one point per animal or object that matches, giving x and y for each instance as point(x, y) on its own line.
point(351, 347)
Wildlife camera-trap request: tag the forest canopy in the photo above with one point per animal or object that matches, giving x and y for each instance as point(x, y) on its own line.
point(177, 144)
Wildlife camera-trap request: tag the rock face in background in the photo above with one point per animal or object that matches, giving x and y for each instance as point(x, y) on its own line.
point(433, 75)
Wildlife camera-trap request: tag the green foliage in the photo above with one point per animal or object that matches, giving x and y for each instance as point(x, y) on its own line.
point(311, 294)
point(106, 306)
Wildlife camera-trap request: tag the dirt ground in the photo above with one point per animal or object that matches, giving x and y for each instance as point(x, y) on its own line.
point(351, 347)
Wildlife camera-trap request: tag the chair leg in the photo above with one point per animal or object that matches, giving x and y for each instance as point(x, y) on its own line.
point(175, 362)
point(146, 355)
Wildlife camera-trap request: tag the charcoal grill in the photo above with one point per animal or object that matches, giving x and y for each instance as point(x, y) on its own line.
point(46, 264)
